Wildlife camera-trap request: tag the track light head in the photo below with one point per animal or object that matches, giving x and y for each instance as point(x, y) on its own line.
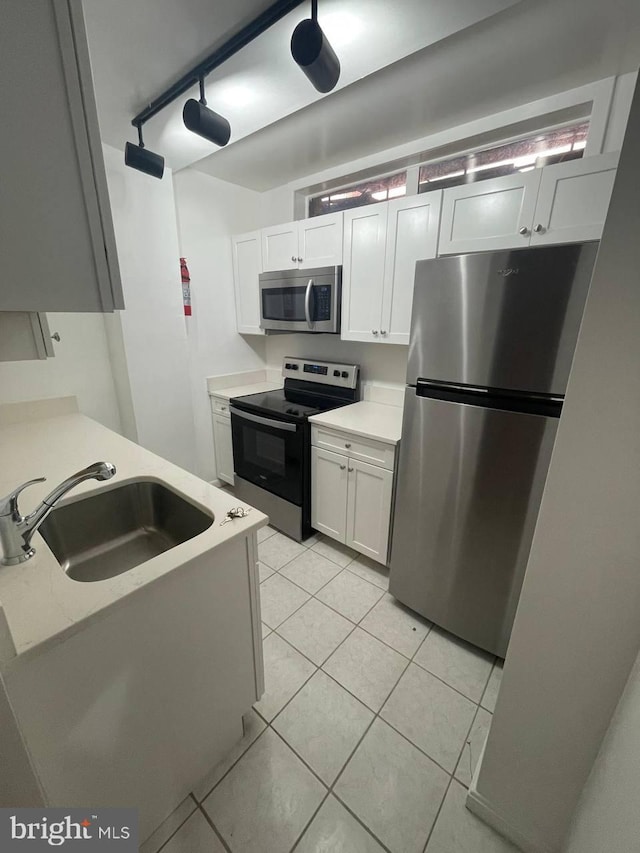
point(138, 157)
point(198, 118)
point(311, 50)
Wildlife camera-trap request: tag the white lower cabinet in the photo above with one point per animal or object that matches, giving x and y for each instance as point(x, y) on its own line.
point(329, 499)
point(369, 493)
point(350, 499)
point(222, 439)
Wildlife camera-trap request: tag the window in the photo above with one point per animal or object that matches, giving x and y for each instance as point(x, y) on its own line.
point(543, 149)
point(368, 192)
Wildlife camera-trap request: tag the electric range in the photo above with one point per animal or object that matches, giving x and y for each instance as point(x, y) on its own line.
point(272, 439)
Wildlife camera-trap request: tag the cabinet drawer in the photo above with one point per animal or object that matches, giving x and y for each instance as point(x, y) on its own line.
point(365, 450)
point(220, 406)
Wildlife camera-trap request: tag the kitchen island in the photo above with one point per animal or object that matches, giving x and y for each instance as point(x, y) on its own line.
point(124, 691)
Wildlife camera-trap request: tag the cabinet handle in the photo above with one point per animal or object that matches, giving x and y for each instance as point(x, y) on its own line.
point(383, 332)
point(223, 408)
point(374, 331)
point(539, 229)
point(299, 260)
point(342, 467)
point(347, 446)
point(524, 231)
point(350, 469)
point(293, 258)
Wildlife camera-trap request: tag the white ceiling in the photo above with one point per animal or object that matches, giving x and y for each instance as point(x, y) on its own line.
point(138, 47)
point(393, 89)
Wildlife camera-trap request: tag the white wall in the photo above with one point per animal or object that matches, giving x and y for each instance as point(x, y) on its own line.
point(150, 341)
point(81, 367)
point(577, 629)
point(209, 211)
point(607, 817)
point(384, 363)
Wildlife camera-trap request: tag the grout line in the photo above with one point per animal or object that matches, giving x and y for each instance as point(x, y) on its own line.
point(230, 768)
point(214, 828)
point(179, 827)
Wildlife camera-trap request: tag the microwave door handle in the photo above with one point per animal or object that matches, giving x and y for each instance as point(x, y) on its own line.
point(307, 303)
point(264, 421)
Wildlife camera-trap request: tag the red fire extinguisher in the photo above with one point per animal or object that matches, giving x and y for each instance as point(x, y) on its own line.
point(186, 287)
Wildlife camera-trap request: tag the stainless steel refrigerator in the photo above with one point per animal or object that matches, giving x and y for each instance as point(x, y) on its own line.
point(492, 340)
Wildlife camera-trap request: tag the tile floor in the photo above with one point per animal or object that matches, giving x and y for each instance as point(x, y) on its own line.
point(367, 734)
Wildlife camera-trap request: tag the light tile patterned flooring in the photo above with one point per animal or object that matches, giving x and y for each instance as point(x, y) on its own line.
point(367, 734)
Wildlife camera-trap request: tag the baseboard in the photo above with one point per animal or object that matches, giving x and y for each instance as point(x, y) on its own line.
point(477, 804)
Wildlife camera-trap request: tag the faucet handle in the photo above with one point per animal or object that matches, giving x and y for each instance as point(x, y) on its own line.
point(9, 504)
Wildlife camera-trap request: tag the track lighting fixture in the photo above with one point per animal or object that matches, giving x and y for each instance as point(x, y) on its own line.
point(138, 157)
point(198, 118)
point(313, 53)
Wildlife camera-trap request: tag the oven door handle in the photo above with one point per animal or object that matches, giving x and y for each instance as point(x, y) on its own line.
point(264, 421)
point(307, 303)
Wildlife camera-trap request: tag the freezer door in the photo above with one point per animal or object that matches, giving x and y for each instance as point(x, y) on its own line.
point(470, 481)
point(500, 319)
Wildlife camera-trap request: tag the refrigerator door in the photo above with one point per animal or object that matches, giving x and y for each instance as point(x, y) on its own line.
point(500, 319)
point(470, 480)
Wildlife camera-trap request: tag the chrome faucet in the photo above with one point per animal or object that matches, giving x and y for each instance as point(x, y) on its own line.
point(17, 530)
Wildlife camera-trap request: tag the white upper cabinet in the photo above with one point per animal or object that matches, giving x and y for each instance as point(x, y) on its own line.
point(320, 241)
point(58, 245)
point(412, 235)
point(493, 214)
point(247, 266)
point(382, 243)
point(365, 239)
point(315, 242)
point(573, 200)
point(280, 247)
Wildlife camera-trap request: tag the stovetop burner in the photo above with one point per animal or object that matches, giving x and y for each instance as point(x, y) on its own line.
point(310, 387)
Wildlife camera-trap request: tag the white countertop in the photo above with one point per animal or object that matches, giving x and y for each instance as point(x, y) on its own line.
point(40, 603)
point(368, 420)
point(242, 390)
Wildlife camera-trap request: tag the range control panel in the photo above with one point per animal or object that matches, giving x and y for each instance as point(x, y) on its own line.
point(324, 372)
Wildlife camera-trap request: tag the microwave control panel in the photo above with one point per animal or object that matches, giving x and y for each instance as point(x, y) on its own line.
point(322, 300)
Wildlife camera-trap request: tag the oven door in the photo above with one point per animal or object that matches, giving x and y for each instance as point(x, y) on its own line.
point(295, 302)
point(269, 453)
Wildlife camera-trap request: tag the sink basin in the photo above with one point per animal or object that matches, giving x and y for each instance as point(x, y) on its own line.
point(104, 535)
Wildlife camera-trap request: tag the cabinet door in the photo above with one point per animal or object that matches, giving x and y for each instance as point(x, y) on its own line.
point(369, 509)
point(493, 214)
point(58, 245)
point(320, 241)
point(412, 235)
point(224, 447)
point(329, 493)
point(280, 247)
point(573, 200)
point(247, 266)
point(365, 236)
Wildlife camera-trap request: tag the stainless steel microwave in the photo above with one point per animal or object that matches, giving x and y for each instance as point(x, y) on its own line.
point(301, 300)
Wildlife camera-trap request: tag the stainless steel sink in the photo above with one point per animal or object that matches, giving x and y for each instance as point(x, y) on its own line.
point(104, 535)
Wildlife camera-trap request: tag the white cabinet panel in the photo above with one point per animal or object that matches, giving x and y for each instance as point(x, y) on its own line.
point(58, 244)
point(412, 235)
point(329, 493)
point(492, 214)
point(320, 241)
point(24, 335)
point(573, 200)
point(365, 235)
point(247, 266)
point(280, 247)
point(369, 509)
point(224, 447)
